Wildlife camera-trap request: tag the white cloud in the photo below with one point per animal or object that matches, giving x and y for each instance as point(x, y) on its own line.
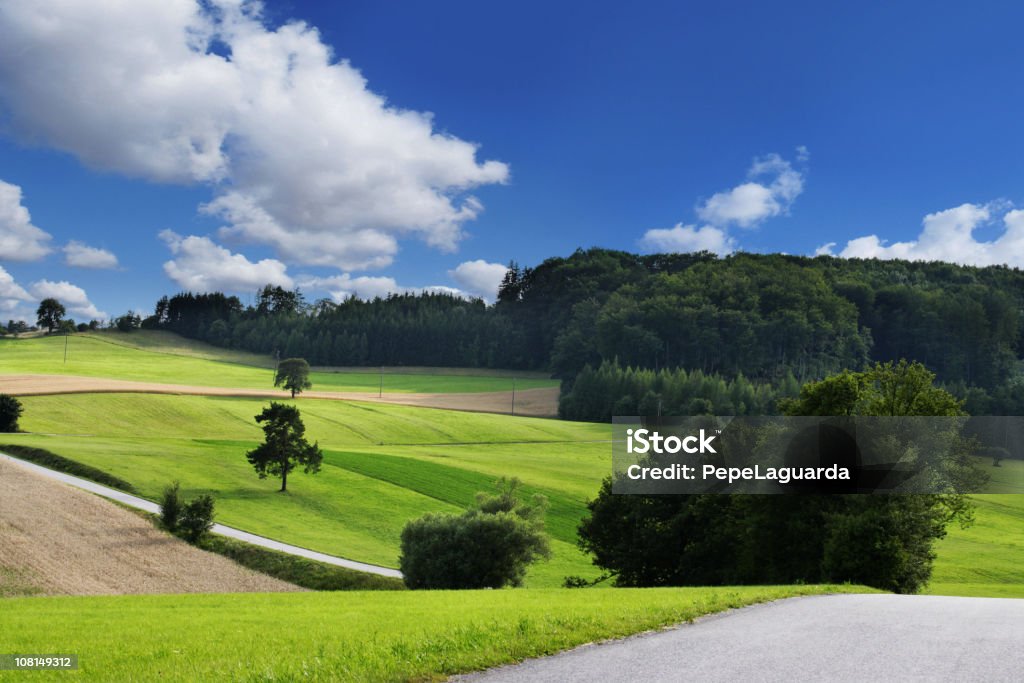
point(200, 265)
point(479, 277)
point(772, 186)
point(12, 297)
point(9, 289)
point(300, 153)
point(19, 239)
point(949, 236)
point(686, 238)
point(72, 296)
point(83, 256)
point(825, 249)
point(344, 286)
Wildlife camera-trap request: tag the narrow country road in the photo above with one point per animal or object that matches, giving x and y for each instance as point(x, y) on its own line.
point(823, 638)
point(149, 506)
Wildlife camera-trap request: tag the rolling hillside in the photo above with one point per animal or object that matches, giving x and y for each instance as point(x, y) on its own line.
point(386, 464)
point(58, 540)
point(167, 358)
point(383, 465)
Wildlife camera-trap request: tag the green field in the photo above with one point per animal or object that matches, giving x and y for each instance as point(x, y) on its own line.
point(147, 356)
point(373, 636)
point(386, 464)
point(383, 465)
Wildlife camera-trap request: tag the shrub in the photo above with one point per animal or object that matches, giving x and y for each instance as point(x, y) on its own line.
point(10, 411)
point(170, 508)
point(488, 546)
point(196, 518)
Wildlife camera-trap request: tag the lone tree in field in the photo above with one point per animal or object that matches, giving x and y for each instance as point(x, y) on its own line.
point(49, 314)
point(284, 447)
point(10, 411)
point(293, 375)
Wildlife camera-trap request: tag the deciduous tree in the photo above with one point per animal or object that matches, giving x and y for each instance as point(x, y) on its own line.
point(50, 313)
point(293, 375)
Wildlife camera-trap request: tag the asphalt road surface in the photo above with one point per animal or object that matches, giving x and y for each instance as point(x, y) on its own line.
point(824, 638)
point(150, 506)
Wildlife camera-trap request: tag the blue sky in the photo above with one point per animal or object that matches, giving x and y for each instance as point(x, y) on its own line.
point(214, 149)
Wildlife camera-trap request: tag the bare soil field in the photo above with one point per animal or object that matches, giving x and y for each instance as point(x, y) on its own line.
point(57, 540)
point(529, 402)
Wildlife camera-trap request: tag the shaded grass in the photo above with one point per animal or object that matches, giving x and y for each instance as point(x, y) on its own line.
point(62, 464)
point(299, 571)
point(363, 636)
point(163, 357)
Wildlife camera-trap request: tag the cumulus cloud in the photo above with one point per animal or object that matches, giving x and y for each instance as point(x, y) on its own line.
point(201, 265)
point(300, 153)
point(82, 255)
point(949, 236)
point(72, 296)
point(12, 295)
point(772, 186)
point(479, 277)
point(19, 239)
point(341, 287)
point(684, 238)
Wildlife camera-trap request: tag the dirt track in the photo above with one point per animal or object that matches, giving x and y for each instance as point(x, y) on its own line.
point(533, 402)
point(57, 540)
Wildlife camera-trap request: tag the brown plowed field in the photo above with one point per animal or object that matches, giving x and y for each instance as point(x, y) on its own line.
point(58, 540)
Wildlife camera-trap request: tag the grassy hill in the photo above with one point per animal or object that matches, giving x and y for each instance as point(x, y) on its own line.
point(372, 636)
point(386, 464)
point(987, 558)
point(383, 465)
point(150, 356)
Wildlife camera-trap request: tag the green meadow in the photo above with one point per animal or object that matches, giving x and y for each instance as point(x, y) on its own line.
point(986, 559)
point(386, 464)
point(358, 636)
point(383, 465)
point(148, 356)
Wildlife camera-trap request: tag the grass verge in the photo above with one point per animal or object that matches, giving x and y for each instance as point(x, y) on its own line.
point(317, 576)
point(45, 458)
point(371, 636)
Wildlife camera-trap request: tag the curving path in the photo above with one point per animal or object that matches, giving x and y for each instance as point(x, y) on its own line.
point(150, 506)
point(823, 638)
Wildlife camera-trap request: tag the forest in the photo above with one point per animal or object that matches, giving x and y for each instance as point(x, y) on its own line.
point(684, 331)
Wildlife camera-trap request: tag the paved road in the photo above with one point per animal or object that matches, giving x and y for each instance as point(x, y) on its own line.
point(149, 506)
point(826, 638)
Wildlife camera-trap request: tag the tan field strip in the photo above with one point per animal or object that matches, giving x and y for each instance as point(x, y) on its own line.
point(58, 540)
point(530, 402)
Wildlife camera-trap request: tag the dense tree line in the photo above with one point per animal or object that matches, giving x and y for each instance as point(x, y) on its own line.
point(598, 394)
point(761, 317)
point(886, 541)
point(407, 329)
